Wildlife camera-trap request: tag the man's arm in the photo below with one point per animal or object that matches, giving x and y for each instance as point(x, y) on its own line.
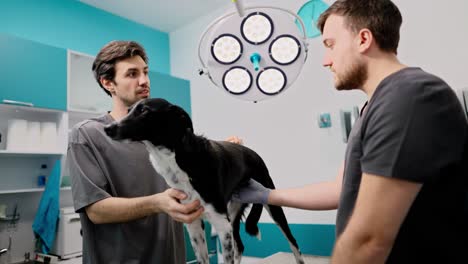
point(318, 196)
point(118, 210)
point(381, 207)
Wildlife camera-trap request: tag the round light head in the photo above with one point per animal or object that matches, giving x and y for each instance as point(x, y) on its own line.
point(285, 49)
point(226, 49)
point(257, 28)
point(237, 80)
point(271, 80)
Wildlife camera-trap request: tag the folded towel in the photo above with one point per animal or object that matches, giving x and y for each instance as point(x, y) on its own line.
point(48, 213)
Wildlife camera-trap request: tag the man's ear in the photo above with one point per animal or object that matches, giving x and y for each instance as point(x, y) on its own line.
point(108, 85)
point(365, 40)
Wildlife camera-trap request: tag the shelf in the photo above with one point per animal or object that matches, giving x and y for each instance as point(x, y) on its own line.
point(21, 108)
point(30, 190)
point(84, 112)
point(9, 153)
point(9, 218)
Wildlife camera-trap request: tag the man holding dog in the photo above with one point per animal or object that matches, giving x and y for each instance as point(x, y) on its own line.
point(128, 213)
point(401, 193)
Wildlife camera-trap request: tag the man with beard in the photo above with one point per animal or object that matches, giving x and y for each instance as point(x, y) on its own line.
point(401, 194)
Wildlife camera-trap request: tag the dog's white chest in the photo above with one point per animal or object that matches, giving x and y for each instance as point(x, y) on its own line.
point(164, 162)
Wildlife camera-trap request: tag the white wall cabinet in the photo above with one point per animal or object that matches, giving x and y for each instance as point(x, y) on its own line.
point(84, 93)
point(20, 168)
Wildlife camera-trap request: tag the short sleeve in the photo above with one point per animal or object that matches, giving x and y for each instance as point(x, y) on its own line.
point(88, 181)
point(411, 133)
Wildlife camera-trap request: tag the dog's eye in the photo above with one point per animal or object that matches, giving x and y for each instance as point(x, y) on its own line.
point(137, 109)
point(141, 109)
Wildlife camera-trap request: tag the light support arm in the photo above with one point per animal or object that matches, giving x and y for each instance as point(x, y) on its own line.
point(239, 7)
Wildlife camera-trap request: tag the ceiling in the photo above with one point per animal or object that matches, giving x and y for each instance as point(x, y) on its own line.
point(166, 15)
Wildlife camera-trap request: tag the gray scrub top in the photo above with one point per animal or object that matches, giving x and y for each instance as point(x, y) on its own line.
point(100, 168)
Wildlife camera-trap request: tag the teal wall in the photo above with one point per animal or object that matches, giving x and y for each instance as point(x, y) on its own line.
point(174, 90)
point(73, 25)
point(313, 239)
point(33, 72)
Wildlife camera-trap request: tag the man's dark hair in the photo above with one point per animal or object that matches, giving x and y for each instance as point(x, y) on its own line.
point(381, 17)
point(110, 54)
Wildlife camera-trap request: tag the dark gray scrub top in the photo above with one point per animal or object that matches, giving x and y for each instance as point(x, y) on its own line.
point(414, 129)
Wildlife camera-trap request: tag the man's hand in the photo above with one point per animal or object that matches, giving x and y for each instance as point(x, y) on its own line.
point(234, 139)
point(169, 202)
point(253, 192)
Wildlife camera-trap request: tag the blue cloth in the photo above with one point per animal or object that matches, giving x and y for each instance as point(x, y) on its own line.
point(47, 215)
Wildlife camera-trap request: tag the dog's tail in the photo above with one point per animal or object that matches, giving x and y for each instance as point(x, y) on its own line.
point(252, 220)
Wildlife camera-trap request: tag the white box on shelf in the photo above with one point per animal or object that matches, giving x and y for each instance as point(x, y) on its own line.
point(16, 137)
point(23, 123)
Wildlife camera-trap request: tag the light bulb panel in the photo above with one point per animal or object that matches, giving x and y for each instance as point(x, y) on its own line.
point(226, 49)
point(257, 28)
point(237, 80)
point(271, 80)
point(284, 49)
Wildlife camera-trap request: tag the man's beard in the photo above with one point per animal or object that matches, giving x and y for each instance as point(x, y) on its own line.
point(353, 78)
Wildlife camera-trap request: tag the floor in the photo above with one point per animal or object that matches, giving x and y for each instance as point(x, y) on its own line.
point(72, 261)
point(286, 258)
point(278, 258)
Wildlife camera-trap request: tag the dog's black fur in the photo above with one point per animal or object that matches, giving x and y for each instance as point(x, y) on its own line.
point(215, 168)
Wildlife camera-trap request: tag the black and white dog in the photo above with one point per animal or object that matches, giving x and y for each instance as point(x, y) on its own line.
point(204, 169)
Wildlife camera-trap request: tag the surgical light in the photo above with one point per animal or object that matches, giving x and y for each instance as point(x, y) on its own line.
point(255, 53)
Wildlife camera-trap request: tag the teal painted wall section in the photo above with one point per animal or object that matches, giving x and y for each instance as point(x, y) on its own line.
point(175, 90)
point(33, 72)
point(70, 24)
point(312, 240)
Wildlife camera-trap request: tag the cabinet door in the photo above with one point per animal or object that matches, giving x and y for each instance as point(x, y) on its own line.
point(33, 72)
point(84, 93)
point(175, 90)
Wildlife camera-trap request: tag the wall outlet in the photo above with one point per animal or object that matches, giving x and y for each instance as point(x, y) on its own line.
point(324, 120)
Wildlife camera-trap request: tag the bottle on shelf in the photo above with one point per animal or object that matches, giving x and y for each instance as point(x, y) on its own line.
point(42, 178)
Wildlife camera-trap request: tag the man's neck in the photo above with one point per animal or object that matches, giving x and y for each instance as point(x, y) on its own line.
point(379, 69)
point(119, 109)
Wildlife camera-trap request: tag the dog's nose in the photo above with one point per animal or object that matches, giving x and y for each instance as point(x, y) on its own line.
point(111, 130)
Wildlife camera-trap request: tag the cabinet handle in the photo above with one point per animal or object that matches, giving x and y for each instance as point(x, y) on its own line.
point(17, 103)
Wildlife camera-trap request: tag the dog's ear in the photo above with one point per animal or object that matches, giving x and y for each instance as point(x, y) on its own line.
point(185, 119)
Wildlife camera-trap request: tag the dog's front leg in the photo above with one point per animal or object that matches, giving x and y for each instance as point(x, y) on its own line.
point(196, 231)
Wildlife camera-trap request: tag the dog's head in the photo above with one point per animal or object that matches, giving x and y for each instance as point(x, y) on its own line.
point(155, 120)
